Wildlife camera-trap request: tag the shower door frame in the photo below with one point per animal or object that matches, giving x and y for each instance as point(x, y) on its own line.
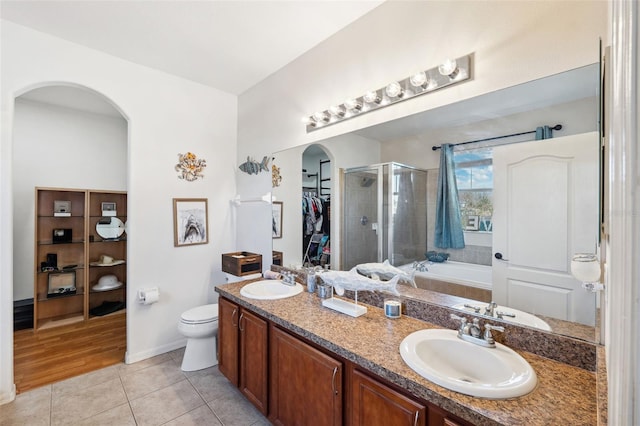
point(379, 168)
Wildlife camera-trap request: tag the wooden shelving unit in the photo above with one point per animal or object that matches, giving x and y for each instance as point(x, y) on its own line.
point(114, 248)
point(76, 253)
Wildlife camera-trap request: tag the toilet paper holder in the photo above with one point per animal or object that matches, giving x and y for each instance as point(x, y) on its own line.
point(147, 296)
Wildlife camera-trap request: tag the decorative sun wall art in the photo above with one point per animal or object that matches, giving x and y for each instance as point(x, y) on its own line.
point(190, 167)
point(275, 176)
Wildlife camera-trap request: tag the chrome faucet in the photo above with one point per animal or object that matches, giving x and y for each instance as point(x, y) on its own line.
point(491, 309)
point(473, 333)
point(288, 278)
point(420, 266)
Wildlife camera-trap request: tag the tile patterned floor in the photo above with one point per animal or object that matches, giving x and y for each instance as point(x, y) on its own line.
point(150, 392)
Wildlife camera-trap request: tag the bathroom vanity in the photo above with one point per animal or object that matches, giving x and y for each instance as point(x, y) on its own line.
point(305, 364)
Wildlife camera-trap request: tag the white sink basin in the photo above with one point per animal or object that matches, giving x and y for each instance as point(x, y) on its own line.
point(270, 290)
point(443, 358)
point(522, 318)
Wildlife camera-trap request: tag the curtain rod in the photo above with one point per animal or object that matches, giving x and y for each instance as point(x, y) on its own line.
point(556, 127)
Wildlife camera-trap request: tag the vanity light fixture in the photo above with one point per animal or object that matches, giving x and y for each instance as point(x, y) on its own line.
point(353, 104)
point(309, 121)
point(452, 71)
point(449, 68)
point(337, 110)
point(394, 90)
point(585, 267)
point(321, 116)
point(372, 97)
point(418, 79)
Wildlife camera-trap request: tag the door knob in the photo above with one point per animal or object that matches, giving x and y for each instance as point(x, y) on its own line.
point(498, 256)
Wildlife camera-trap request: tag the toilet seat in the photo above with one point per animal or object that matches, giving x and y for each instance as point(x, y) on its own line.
point(200, 315)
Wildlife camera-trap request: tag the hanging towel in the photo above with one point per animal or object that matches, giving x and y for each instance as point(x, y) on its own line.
point(448, 232)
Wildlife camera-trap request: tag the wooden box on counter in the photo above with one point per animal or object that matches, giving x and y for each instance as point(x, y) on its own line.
point(277, 258)
point(241, 263)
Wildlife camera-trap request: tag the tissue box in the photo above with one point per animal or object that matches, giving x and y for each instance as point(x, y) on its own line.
point(241, 263)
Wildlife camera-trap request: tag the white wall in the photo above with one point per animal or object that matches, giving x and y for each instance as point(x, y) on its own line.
point(512, 42)
point(576, 117)
point(166, 115)
point(58, 147)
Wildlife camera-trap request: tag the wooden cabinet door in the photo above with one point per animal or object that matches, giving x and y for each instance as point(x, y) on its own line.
point(254, 359)
point(228, 314)
point(305, 384)
point(373, 403)
point(440, 417)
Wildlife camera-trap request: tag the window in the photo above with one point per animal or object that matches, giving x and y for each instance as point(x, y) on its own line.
point(474, 177)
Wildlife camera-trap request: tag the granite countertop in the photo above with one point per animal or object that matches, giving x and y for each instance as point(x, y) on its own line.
point(564, 393)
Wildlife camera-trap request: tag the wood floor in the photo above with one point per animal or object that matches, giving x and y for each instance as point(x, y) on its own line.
point(58, 353)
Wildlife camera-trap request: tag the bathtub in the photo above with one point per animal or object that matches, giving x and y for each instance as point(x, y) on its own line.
point(465, 274)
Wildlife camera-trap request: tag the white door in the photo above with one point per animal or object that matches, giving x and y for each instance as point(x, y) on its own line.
point(545, 210)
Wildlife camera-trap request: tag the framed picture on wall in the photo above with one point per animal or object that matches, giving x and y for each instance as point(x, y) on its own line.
point(276, 222)
point(190, 221)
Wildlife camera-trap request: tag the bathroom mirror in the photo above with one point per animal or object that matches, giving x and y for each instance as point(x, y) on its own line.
point(570, 99)
point(110, 228)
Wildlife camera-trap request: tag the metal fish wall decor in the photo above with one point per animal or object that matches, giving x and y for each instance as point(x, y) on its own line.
point(252, 167)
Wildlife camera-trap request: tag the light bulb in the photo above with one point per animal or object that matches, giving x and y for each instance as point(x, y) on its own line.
point(353, 104)
point(337, 110)
point(449, 68)
point(321, 116)
point(309, 121)
point(418, 79)
point(372, 97)
point(585, 267)
point(394, 90)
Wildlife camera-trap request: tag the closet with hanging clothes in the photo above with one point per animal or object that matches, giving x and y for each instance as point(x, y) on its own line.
point(316, 228)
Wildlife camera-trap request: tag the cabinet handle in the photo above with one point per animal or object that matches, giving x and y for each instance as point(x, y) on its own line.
point(333, 381)
point(240, 322)
point(415, 419)
point(235, 312)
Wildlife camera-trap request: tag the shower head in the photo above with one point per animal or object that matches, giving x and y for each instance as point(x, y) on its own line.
point(366, 182)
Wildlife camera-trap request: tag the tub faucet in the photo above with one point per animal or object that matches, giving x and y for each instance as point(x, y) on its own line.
point(472, 332)
point(491, 309)
point(420, 266)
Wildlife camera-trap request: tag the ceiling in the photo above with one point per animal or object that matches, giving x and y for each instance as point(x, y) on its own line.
point(228, 45)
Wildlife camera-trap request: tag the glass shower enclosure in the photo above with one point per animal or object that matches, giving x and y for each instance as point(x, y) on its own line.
point(385, 214)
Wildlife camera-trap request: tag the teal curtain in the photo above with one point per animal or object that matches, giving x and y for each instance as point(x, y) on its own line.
point(448, 233)
point(544, 132)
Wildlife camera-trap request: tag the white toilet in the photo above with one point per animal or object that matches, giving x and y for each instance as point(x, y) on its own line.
point(200, 326)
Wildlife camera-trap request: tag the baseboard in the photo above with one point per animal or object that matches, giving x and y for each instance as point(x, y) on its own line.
point(7, 398)
point(130, 358)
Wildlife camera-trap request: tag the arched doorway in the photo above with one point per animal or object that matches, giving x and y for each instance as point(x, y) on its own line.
point(64, 136)
point(317, 187)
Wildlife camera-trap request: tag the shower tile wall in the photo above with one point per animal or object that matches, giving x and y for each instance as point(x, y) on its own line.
point(470, 254)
